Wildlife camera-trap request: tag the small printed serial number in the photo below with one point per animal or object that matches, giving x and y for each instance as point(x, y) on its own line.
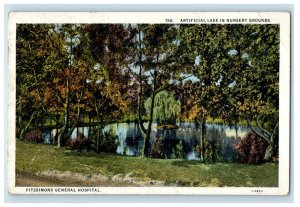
point(257, 191)
point(169, 20)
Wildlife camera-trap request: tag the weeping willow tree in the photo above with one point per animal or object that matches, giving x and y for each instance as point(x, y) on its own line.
point(166, 108)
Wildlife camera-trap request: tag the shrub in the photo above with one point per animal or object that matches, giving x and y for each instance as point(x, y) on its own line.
point(34, 135)
point(207, 151)
point(178, 152)
point(79, 143)
point(251, 149)
point(212, 150)
point(198, 149)
point(109, 142)
point(158, 149)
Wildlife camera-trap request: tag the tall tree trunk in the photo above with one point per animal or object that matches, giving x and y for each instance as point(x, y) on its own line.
point(236, 129)
point(269, 152)
point(271, 148)
point(62, 136)
point(42, 120)
point(50, 121)
point(19, 126)
point(99, 127)
point(56, 119)
point(56, 136)
point(148, 132)
point(203, 137)
point(98, 137)
point(75, 124)
point(140, 97)
point(24, 129)
point(20, 122)
point(89, 127)
point(140, 105)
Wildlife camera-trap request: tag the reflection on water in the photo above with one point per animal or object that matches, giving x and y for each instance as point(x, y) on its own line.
point(130, 138)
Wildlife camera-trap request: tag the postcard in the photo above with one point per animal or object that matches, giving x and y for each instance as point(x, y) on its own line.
point(188, 103)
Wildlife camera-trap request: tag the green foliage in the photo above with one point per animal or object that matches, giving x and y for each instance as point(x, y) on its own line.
point(198, 149)
point(166, 108)
point(193, 72)
point(212, 151)
point(110, 141)
point(178, 152)
point(36, 58)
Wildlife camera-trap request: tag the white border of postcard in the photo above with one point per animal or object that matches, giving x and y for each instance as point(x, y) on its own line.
point(282, 18)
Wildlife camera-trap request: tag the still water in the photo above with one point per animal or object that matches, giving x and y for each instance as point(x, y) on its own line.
point(130, 139)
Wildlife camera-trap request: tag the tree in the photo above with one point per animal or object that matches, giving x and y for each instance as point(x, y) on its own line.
point(69, 92)
point(108, 84)
point(257, 85)
point(106, 100)
point(164, 71)
point(61, 63)
point(166, 109)
point(152, 62)
point(238, 79)
point(36, 55)
point(207, 62)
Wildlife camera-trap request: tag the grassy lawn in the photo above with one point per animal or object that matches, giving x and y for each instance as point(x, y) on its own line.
point(35, 158)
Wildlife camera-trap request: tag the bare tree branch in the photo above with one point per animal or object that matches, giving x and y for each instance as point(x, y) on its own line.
point(274, 131)
point(265, 132)
point(257, 132)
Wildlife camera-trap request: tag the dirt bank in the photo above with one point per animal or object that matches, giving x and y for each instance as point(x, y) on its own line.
point(59, 179)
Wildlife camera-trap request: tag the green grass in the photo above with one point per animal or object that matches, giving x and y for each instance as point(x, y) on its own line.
point(35, 158)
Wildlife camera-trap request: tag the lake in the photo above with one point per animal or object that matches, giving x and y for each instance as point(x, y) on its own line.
point(130, 139)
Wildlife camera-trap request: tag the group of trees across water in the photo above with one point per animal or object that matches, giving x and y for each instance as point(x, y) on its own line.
point(70, 74)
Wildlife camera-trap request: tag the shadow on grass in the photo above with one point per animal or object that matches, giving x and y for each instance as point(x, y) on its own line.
point(185, 163)
point(85, 154)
